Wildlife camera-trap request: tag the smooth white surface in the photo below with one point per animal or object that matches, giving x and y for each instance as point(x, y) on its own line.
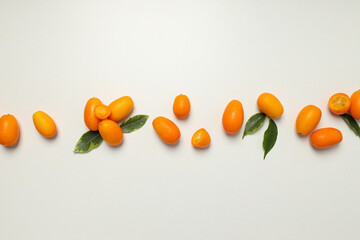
point(54, 55)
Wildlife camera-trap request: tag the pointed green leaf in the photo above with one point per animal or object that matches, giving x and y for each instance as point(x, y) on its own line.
point(134, 123)
point(270, 137)
point(350, 121)
point(88, 141)
point(254, 123)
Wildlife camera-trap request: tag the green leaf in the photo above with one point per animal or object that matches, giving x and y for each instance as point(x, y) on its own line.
point(350, 121)
point(134, 123)
point(270, 137)
point(254, 123)
point(88, 141)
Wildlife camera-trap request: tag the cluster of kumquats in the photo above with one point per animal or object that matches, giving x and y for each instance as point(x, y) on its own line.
point(170, 133)
point(339, 104)
point(103, 122)
point(103, 118)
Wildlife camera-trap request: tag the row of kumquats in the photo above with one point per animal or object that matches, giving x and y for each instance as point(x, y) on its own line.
point(10, 131)
point(340, 104)
point(232, 121)
point(103, 122)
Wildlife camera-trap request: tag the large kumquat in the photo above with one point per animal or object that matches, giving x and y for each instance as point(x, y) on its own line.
point(181, 106)
point(307, 120)
point(166, 129)
point(233, 117)
point(111, 132)
point(9, 130)
point(326, 137)
point(120, 108)
point(270, 105)
point(91, 121)
point(355, 105)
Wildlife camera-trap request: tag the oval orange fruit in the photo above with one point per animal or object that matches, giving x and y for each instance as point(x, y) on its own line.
point(91, 121)
point(355, 105)
point(339, 103)
point(9, 130)
point(120, 108)
point(325, 137)
point(307, 120)
point(44, 124)
point(111, 132)
point(166, 129)
point(270, 105)
point(233, 117)
point(201, 139)
point(181, 106)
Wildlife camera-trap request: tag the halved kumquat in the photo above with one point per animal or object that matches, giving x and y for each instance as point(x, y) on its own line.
point(339, 103)
point(201, 139)
point(102, 111)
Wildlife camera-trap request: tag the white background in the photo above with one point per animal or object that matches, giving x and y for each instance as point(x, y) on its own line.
point(54, 55)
